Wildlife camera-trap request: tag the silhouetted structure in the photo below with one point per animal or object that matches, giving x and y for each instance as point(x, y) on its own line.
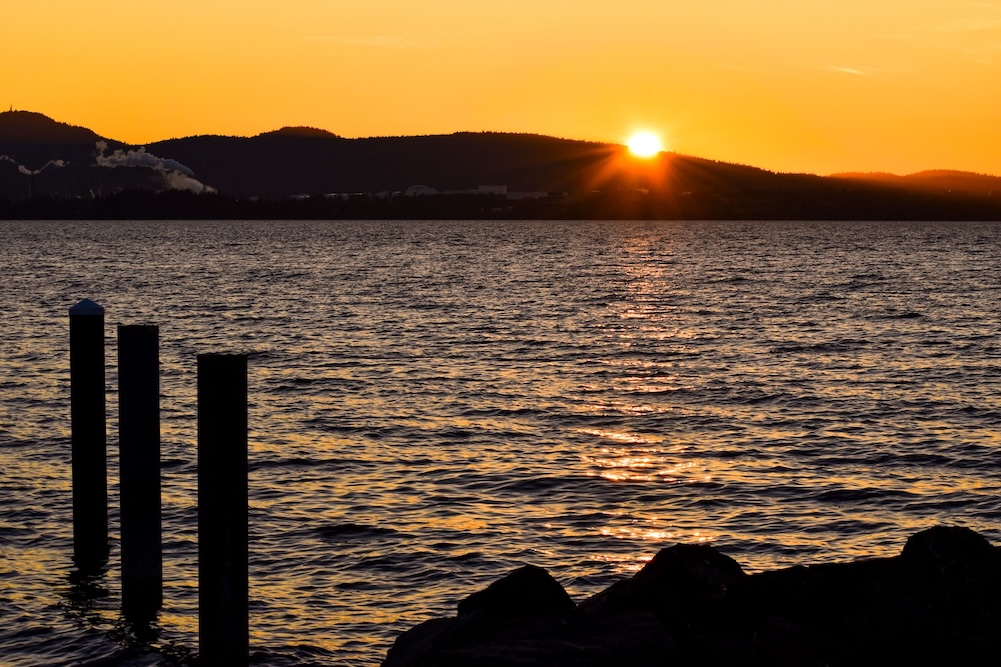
point(223, 624)
point(88, 436)
point(139, 465)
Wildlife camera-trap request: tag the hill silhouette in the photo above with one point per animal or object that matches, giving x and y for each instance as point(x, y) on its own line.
point(936, 180)
point(287, 163)
point(29, 128)
point(40, 156)
point(43, 157)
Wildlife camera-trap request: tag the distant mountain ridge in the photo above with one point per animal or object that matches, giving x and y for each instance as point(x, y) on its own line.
point(301, 131)
point(30, 127)
point(287, 163)
point(40, 156)
point(937, 179)
point(34, 139)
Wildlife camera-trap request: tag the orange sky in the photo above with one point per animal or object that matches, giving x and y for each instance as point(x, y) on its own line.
point(789, 85)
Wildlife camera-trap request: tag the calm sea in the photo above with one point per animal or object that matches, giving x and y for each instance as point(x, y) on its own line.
point(436, 403)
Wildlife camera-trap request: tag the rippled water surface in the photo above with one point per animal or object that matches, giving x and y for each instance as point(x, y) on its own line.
point(436, 403)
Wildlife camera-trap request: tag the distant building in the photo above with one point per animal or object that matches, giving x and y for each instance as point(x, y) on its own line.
point(418, 190)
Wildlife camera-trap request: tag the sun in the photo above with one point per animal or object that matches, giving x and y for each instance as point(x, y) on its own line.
point(644, 144)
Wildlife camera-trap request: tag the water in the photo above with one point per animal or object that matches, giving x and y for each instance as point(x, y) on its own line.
point(436, 403)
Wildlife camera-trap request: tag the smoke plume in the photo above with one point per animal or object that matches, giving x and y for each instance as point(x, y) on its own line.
point(32, 172)
point(175, 175)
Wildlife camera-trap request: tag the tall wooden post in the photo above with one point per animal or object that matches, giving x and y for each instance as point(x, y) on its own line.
point(139, 465)
point(223, 595)
point(88, 430)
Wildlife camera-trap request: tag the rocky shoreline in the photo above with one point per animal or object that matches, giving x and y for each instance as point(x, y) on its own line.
point(937, 602)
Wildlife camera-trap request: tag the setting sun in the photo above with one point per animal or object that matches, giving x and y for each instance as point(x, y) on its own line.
point(644, 144)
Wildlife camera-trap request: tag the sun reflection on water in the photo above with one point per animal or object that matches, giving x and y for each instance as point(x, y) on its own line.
point(435, 404)
point(620, 436)
point(643, 462)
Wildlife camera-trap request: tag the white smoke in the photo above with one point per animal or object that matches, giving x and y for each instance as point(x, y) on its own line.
point(175, 175)
point(33, 172)
point(50, 163)
point(139, 158)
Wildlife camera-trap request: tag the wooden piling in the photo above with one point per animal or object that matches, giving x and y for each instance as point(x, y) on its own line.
point(139, 469)
point(88, 436)
point(223, 622)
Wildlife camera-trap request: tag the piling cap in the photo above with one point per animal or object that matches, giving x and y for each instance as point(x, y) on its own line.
point(87, 307)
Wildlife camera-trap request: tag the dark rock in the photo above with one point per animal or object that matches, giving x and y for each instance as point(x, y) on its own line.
point(421, 640)
point(678, 575)
point(949, 608)
point(517, 616)
point(528, 591)
point(940, 547)
point(782, 642)
point(636, 639)
point(939, 602)
point(690, 571)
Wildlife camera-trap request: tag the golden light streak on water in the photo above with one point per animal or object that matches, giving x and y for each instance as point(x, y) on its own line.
point(434, 404)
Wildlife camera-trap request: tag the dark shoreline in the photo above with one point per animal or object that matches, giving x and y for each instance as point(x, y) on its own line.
point(937, 603)
point(862, 204)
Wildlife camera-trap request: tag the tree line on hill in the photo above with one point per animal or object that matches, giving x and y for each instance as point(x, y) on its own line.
point(53, 170)
point(617, 205)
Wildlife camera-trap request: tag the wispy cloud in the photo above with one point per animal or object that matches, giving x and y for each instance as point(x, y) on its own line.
point(975, 34)
point(854, 71)
point(401, 42)
point(801, 67)
point(982, 17)
point(977, 24)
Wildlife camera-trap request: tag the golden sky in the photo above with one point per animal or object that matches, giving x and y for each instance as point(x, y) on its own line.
point(789, 85)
